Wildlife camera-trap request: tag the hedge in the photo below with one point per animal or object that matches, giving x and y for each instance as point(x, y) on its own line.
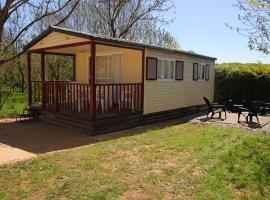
point(239, 82)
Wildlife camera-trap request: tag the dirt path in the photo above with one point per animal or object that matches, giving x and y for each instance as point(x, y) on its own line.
point(25, 140)
point(10, 154)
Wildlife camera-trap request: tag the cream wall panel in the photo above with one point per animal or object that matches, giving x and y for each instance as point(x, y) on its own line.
point(82, 67)
point(132, 66)
point(131, 71)
point(56, 39)
point(167, 95)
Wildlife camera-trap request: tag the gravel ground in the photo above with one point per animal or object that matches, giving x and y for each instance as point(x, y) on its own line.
point(231, 122)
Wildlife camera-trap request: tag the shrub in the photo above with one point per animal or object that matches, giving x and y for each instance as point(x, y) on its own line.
point(239, 82)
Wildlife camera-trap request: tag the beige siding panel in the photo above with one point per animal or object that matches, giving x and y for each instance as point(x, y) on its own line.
point(81, 68)
point(56, 39)
point(131, 71)
point(132, 66)
point(167, 95)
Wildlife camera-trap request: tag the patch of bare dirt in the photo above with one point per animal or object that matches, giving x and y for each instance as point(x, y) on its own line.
point(135, 194)
point(24, 140)
point(9, 154)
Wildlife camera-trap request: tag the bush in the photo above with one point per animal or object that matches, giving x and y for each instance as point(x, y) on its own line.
point(239, 82)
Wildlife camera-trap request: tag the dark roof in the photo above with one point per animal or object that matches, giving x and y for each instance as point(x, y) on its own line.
point(110, 40)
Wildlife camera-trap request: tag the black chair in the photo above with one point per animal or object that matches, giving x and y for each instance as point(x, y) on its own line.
point(251, 111)
point(265, 109)
point(214, 108)
point(233, 107)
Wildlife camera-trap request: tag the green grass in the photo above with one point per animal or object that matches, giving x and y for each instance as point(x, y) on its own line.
point(14, 104)
point(179, 162)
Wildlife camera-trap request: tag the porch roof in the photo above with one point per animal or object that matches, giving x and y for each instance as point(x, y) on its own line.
point(111, 40)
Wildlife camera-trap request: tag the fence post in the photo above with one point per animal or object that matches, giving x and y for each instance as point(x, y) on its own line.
point(42, 74)
point(29, 74)
point(93, 81)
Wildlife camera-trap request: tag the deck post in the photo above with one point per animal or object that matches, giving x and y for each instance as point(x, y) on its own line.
point(92, 81)
point(42, 74)
point(29, 76)
point(143, 71)
point(74, 67)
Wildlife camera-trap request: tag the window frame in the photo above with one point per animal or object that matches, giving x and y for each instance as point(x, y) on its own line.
point(197, 74)
point(104, 54)
point(207, 72)
point(202, 72)
point(173, 70)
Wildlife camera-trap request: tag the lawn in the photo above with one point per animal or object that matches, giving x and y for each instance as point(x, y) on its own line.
point(14, 104)
point(179, 162)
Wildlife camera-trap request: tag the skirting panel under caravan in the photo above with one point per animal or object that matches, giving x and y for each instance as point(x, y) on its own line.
point(103, 126)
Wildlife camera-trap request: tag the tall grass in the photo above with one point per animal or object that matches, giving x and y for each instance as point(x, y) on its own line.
point(15, 103)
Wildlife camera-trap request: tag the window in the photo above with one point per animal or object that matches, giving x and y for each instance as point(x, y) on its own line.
point(103, 69)
point(201, 72)
point(165, 69)
point(151, 68)
point(179, 70)
point(195, 71)
point(207, 72)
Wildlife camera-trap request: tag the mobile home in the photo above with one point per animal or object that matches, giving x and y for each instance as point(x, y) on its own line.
point(117, 83)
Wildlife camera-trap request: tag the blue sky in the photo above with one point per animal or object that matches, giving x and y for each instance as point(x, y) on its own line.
point(200, 26)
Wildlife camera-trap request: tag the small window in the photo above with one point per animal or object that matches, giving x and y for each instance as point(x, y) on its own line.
point(179, 70)
point(207, 72)
point(165, 69)
point(151, 68)
point(202, 72)
point(195, 71)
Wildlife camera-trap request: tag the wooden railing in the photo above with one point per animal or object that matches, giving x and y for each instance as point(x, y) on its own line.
point(118, 97)
point(74, 98)
point(65, 97)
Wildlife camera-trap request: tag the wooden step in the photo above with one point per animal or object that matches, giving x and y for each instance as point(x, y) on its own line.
point(120, 122)
point(66, 122)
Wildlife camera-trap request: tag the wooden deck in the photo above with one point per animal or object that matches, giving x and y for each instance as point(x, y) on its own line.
point(74, 99)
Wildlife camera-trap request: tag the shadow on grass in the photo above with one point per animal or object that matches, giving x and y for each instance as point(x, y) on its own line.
point(42, 137)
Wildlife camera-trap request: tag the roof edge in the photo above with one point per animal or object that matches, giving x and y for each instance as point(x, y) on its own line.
point(109, 40)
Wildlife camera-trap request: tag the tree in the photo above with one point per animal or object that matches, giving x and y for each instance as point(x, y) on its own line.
point(152, 33)
point(139, 20)
point(255, 18)
point(18, 17)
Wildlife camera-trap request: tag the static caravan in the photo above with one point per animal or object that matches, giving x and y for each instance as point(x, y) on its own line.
point(116, 83)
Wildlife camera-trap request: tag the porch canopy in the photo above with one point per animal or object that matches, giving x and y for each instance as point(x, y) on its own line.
point(108, 74)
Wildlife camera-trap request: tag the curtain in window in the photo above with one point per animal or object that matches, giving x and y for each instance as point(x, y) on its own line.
point(108, 68)
point(202, 72)
point(195, 71)
point(165, 69)
point(159, 70)
point(207, 72)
